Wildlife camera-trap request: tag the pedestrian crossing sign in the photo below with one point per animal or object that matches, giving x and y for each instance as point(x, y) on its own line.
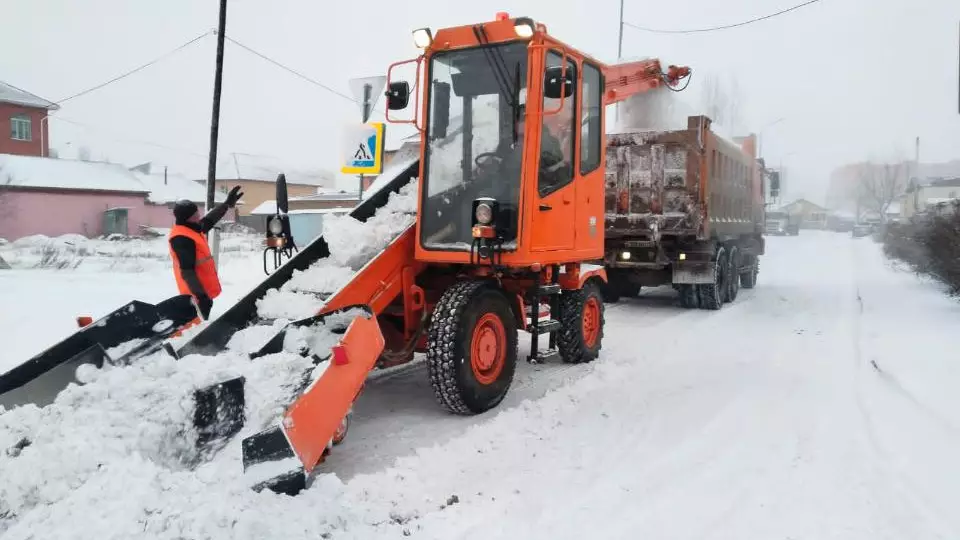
point(363, 149)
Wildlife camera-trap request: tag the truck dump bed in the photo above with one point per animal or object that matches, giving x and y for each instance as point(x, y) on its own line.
point(688, 183)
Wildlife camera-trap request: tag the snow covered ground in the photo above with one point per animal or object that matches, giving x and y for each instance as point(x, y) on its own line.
point(40, 302)
point(820, 405)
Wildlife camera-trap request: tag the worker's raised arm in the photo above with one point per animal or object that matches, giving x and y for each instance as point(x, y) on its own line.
point(214, 216)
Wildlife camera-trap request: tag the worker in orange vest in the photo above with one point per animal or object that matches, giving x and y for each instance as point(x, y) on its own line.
point(193, 265)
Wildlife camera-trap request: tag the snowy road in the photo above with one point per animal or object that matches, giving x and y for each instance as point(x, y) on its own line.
point(821, 404)
point(768, 419)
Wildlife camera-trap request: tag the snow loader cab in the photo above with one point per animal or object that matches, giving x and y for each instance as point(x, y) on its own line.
point(499, 180)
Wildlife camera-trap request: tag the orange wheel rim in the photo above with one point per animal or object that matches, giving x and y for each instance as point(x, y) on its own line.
point(488, 349)
point(591, 321)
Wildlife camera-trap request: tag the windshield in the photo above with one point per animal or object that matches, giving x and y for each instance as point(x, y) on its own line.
point(473, 147)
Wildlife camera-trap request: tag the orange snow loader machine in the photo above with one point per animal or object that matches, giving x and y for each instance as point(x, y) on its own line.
point(510, 215)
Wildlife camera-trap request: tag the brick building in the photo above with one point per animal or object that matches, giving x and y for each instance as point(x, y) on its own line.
point(22, 114)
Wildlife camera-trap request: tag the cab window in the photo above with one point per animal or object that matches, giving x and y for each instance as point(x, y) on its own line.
point(590, 129)
point(557, 134)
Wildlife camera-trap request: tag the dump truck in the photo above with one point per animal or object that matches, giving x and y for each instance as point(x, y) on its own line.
point(684, 208)
point(508, 231)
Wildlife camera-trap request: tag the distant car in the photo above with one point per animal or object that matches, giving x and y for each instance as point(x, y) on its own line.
point(862, 229)
point(781, 223)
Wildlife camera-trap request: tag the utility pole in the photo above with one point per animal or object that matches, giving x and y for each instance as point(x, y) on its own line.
point(215, 131)
point(367, 94)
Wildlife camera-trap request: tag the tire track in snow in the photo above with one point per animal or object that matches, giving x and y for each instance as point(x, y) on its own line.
point(396, 414)
point(922, 504)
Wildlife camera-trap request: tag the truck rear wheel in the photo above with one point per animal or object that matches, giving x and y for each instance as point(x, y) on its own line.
point(733, 275)
point(610, 292)
point(748, 279)
point(713, 294)
point(581, 324)
point(689, 298)
point(472, 348)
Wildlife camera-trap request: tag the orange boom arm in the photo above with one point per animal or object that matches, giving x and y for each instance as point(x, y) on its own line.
point(625, 80)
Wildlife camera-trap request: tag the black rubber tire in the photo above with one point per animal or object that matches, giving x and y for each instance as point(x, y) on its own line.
point(570, 340)
point(748, 279)
point(689, 298)
point(610, 293)
point(733, 274)
point(712, 295)
point(630, 290)
point(454, 384)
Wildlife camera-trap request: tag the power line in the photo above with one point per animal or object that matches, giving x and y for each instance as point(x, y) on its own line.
point(724, 27)
point(290, 70)
point(136, 69)
point(122, 138)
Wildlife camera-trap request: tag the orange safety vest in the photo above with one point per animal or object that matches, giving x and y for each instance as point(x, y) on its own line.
point(205, 267)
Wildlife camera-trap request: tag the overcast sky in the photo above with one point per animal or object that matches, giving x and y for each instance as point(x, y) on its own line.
point(853, 79)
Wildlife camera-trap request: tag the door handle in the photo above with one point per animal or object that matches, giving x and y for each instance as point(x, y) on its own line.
point(545, 207)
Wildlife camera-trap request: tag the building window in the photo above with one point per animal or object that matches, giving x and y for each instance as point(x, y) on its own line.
point(20, 128)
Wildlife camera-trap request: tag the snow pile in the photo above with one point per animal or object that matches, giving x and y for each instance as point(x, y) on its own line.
point(124, 254)
point(352, 244)
point(143, 412)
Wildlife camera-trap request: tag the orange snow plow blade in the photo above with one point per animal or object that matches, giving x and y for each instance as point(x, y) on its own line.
point(281, 457)
point(313, 419)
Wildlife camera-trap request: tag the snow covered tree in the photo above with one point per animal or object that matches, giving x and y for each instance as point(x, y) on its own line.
point(880, 184)
point(6, 201)
point(720, 100)
point(83, 153)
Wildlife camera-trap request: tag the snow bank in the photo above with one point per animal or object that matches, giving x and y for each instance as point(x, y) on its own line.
point(74, 251)
point(142, 412)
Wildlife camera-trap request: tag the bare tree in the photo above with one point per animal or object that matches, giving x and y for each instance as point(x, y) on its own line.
point(721, 102)
point(880, 184)
point(6, 201)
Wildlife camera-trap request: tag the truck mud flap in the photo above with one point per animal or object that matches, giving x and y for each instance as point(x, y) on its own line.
point(40, 379)
point(694, 273)
point(281, 457)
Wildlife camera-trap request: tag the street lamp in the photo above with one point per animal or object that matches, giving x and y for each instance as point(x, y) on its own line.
point(760, 134)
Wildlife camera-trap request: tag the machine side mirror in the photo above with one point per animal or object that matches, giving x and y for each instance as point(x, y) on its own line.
point(398, 95)
point(441, 110)
point(556, 83)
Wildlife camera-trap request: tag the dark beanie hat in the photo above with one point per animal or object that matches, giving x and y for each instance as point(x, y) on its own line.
point(183, 210)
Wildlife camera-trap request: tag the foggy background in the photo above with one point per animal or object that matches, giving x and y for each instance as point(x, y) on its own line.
point(851, 79)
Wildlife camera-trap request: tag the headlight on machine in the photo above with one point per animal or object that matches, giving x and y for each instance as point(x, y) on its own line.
point(484, 214)
point(276, 226)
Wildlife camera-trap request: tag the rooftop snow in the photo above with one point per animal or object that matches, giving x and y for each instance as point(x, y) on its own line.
point(266, 169)
point(174, 188)
point(50, 173)
point(12, 94)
